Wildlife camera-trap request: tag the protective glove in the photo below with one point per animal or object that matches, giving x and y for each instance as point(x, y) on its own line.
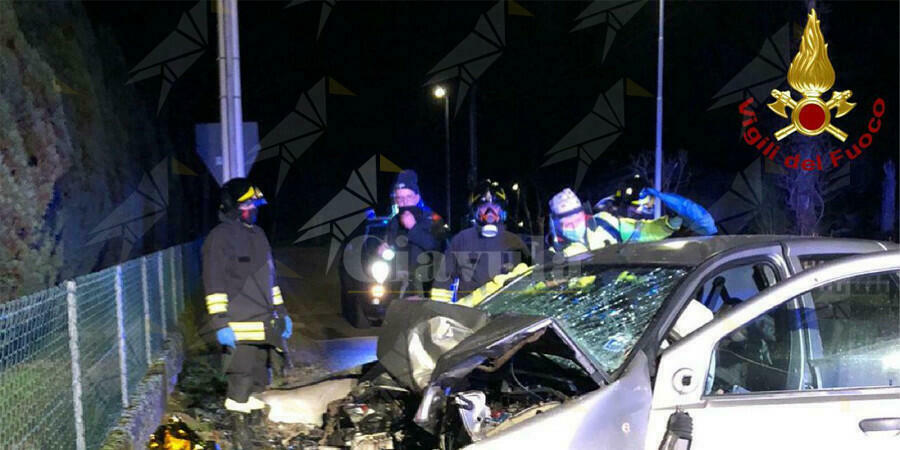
point(226, 337)
point(582, 282)
point(626, 277)
point(288, 327)
point(698, 219)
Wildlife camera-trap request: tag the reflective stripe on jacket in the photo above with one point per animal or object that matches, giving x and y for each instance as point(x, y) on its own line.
point(611, 229)
point(239, 282)
point(479, 295)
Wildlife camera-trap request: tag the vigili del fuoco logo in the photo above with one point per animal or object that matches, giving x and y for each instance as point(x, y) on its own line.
point(811, 75)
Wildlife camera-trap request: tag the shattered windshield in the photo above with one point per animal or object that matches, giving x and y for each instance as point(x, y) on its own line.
point(603, 309)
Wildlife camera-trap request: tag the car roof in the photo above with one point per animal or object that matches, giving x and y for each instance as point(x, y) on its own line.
point(691, 251)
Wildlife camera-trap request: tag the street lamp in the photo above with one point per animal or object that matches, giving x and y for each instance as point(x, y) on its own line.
point(440, 92)
point(515, 189)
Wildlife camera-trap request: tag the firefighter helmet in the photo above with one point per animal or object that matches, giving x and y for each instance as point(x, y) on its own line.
point(565, 203)
point(485, 192)
point(239, 190)
point(629, 191)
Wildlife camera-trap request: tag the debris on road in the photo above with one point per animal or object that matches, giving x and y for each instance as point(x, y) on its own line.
point(177, 435)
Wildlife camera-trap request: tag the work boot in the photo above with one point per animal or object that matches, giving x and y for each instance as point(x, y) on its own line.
point(241, 435)
point(258, 411)
point(257, 417)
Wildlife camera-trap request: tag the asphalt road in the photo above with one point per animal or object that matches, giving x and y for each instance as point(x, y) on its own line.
point(322, 338)
point(329, 342)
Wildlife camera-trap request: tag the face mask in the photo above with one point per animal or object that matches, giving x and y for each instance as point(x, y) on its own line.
point(489, 230)
point(489, 214)
point(248, 216)
point(576, 234)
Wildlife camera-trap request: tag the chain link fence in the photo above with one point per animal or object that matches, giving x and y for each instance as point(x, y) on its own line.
point(71, 357)
point(35, 372)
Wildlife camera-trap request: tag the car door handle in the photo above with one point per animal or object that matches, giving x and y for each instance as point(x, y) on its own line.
point(882, 424)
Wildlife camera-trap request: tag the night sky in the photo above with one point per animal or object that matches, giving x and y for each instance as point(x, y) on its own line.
point(547, 79)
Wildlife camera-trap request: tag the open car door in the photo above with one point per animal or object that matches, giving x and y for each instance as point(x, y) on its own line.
point(729, 375)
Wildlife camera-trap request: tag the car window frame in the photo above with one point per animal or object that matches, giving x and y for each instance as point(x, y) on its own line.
point(780, 274)
point(779, 266)
point(661, 325)
point(681, 361)
point(811, 392)
point(801, 359)
point(830, 250)
point(813, 368)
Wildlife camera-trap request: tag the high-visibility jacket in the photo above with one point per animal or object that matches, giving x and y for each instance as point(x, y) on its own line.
point(239, 280)
point(483, 292)
point(608, 229)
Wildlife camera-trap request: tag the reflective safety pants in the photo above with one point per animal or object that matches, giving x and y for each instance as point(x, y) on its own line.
point(247, 371)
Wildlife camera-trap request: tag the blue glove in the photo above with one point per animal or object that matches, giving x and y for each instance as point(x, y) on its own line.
point(698, 219)
point(225, 336)
point(288, 327)
point(648, 191)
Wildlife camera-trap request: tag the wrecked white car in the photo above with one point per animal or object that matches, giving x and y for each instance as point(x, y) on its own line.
point(701, 343)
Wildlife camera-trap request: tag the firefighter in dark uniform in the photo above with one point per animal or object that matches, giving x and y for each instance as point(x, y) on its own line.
point(244, 303)
point(415, 231)
point(480, 253)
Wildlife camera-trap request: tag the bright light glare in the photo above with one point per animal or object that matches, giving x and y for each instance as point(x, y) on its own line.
point(377, 292)
point(380, 271)
point(675, 245)
point(515, 186)
point(440, 92)
point(891, 361)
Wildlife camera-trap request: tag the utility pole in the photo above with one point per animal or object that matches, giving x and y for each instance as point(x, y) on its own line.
point(657, 173)
point(231, 112)
point(441, 93)
point(447, 153)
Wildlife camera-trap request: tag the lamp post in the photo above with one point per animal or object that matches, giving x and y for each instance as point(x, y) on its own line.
point(441, 93)
point(658, 166)
point(515, 189)
point(230, 109)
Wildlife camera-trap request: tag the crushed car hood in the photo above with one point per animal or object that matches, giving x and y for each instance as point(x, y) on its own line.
point(416, 333)
point(486, 349)
point(497, 337)
point(422, 341)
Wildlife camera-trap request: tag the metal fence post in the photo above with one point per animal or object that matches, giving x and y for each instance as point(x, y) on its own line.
point(146, 301)
point(120, 322)
point(78, 409)
point(162, 294)
point(179, 256)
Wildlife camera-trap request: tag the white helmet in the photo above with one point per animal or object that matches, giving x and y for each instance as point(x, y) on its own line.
point(564, 203)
